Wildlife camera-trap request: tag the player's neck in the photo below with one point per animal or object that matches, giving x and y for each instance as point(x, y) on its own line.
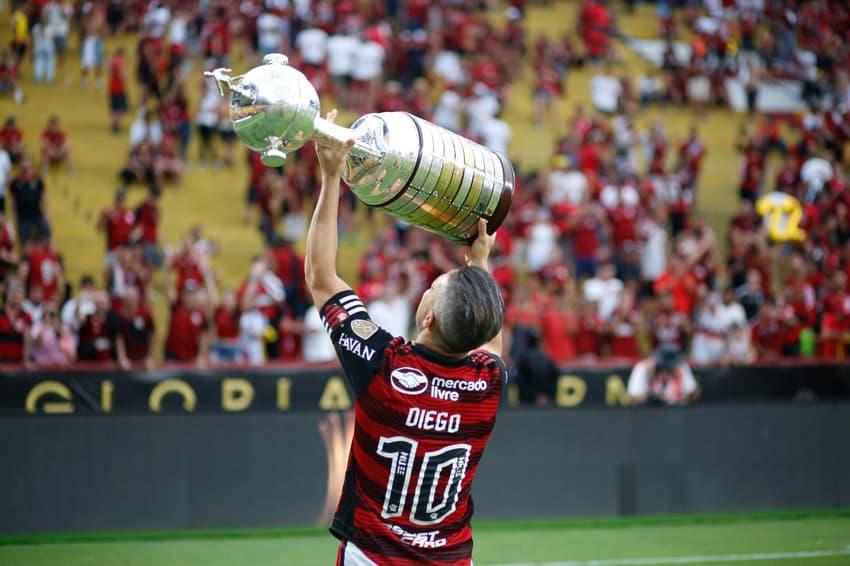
point(426, 338)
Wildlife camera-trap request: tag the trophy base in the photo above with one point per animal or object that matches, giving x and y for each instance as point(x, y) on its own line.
point(505, 200)
point(501, 213)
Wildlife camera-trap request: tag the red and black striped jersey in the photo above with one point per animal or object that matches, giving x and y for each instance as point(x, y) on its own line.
point(422, 421)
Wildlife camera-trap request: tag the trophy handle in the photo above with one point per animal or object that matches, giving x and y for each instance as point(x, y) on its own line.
point(368, 150)
point(222, 79)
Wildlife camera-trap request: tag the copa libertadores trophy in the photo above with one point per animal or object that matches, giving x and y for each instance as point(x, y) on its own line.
point(404, 165)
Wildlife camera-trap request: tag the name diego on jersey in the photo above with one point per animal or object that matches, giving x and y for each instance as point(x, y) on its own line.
point(429, 419)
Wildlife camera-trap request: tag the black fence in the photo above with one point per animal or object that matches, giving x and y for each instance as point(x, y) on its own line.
point(79, 473)
point(109, 450)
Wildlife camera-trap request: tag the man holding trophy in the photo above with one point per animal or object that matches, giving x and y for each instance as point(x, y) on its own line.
point(425, 409)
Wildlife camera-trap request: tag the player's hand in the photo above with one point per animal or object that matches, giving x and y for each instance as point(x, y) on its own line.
point(332, 157)
point(480, 249)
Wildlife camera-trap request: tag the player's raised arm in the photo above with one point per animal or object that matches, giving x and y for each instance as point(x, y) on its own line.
point(322, 241)
point(478, 256)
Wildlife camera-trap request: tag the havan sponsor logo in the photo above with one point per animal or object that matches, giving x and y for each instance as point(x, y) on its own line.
point(356, 347)
point(409, 381)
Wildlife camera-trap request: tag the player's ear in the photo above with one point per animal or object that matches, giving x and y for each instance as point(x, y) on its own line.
point(429, 320)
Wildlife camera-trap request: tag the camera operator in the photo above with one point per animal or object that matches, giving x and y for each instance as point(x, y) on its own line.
point(663, 378)
point(52, 342)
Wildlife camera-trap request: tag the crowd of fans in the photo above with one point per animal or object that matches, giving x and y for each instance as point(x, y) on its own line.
point(602, 256)
point(741, 45)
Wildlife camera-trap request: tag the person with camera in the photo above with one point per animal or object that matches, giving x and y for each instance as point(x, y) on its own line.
point(664, 378)
point(52, 343)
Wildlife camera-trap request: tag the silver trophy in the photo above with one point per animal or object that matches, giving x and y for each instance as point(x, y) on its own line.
point(401, 164)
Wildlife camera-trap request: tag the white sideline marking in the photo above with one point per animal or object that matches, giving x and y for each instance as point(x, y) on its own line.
point(691, 559)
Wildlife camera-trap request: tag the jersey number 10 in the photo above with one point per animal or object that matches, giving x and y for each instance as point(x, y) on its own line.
point(425, 510)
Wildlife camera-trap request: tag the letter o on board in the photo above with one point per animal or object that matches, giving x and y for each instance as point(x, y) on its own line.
point(173, 385)
point(571, 391)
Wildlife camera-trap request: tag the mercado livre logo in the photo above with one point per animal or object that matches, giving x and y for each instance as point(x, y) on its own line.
point(409, 381)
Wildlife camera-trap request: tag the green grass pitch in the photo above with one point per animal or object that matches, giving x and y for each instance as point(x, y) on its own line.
point(819, 538)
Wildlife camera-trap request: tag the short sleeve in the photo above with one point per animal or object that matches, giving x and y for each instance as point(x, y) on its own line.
point(500, 365)
point(360, 344)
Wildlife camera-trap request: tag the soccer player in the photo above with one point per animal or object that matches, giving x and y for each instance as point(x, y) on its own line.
point(423, 409)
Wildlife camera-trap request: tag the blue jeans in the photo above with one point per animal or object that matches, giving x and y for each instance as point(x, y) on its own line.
point(184, 131)
point(585, 267)
point(44, 68)
point(33, 226)
point(224, 352)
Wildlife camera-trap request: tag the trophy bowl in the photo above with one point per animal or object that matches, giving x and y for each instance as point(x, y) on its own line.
point(273, 108)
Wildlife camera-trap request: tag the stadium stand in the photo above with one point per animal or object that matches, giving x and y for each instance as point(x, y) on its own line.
point(625, 233)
